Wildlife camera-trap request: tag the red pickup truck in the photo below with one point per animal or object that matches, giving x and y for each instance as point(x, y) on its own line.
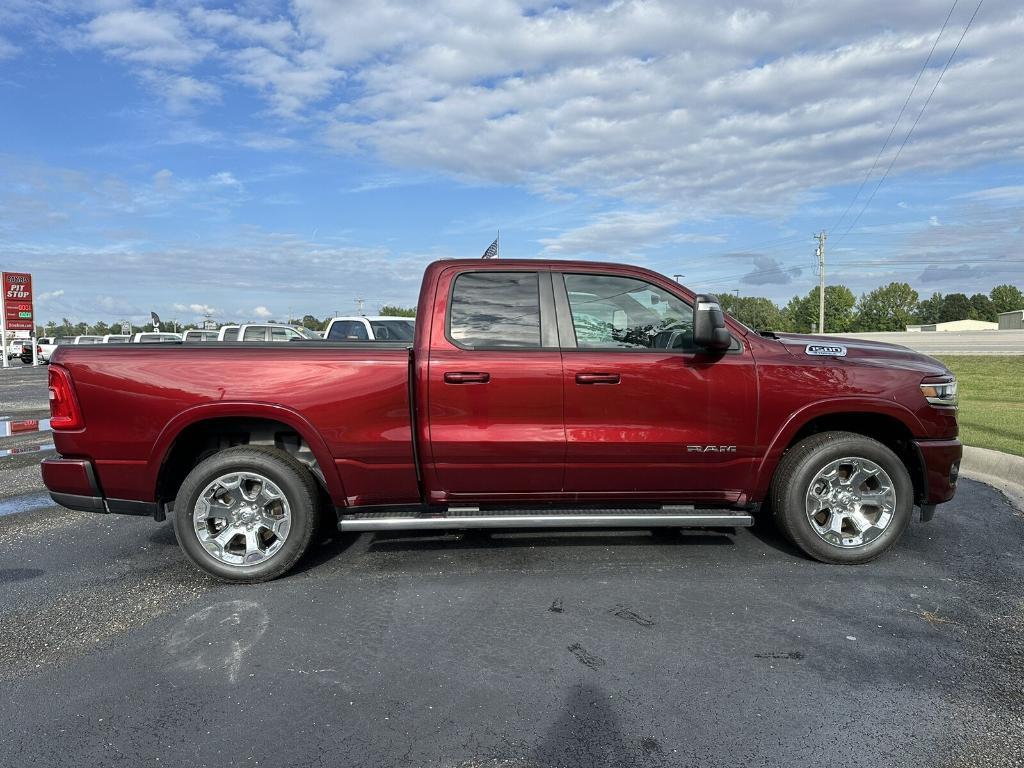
point(535, 394)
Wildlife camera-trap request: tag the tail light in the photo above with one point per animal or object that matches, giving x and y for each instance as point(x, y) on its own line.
point(64, 410)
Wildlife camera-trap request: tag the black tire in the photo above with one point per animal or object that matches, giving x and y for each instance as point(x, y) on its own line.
point(297, 485)
point(799, 467)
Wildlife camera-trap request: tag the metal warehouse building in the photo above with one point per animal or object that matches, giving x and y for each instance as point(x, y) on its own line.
point(1011, 321)
point(957, 325)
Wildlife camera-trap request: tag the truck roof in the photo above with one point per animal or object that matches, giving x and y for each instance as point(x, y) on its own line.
point(533, 264)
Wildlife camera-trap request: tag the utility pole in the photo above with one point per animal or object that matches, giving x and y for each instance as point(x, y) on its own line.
point(359, 303)
point(678, 277)
point(821, 237)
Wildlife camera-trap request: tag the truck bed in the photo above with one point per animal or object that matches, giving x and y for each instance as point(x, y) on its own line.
point(137, 399)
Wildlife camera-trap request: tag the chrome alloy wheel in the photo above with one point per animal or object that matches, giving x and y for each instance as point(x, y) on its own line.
point(850, 502)
point(242, 518)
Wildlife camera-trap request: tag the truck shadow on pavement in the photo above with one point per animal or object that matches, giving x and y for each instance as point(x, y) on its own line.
point(499, 539)
point(348, 549)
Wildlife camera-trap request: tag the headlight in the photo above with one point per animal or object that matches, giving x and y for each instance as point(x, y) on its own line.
point(940, 393)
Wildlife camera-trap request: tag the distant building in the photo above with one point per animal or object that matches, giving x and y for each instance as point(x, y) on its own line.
point(957, 325)
point(1011, 321)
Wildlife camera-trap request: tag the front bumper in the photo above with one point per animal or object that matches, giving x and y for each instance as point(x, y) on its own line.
point(940, 465)
point(72, 483)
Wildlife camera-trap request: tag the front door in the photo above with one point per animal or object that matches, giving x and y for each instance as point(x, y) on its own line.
point(647, 414)
point(495, 388)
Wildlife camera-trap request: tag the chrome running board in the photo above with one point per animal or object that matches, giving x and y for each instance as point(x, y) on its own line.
point(471, 517)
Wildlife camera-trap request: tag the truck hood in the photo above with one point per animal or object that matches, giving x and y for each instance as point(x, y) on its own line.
point(861, 352)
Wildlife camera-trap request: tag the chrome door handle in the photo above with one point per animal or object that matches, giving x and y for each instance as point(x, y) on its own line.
point(597, 378)
point(466, 377)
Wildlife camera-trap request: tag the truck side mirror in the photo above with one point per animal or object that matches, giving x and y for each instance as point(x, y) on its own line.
point(709, 331)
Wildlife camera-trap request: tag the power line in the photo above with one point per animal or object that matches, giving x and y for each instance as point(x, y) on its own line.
point(916, 121)
point(898, 117)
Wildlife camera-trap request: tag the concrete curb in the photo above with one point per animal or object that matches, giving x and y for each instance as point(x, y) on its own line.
point(1000, 470)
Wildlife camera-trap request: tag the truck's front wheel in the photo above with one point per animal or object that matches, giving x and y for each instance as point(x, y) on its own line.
point(246, 514)
point(842, 497)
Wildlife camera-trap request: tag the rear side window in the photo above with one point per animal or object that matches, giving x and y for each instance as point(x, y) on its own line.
point(231, 334)
point(495, 309)
point(257, 333)
point(348, 330)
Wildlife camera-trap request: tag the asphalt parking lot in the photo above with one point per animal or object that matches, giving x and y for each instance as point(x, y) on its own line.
point(506, 650)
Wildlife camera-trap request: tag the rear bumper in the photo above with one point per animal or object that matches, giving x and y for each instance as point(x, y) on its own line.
point(72, 484)
point(940, 461)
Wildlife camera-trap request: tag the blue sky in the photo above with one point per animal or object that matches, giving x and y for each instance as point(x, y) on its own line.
point(253, 159)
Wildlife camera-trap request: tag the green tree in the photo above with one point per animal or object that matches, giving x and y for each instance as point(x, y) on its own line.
point(392, 310)
point(983, 308)
point(310, 322)
point(801, 313)
point(757, 312)
point(956, 306)
point(889, 308)
point(1007, 298)
point(930, 310)
point(100, 329)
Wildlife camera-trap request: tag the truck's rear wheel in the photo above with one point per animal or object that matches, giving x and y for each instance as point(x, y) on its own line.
point(246, 514)
point(842, 497)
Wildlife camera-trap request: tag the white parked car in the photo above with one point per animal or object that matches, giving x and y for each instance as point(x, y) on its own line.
point(274, 332)
point(45, 346)
point(14, 348)
point(116, 338)
point(196, 335)
point(380, 328)
point(154, 337)
point(82, 340)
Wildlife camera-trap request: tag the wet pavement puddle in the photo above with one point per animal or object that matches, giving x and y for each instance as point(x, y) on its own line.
point(25, 503)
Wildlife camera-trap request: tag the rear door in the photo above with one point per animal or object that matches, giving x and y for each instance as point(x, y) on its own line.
point(495, 385)
point(647, 414)
point(255, 333)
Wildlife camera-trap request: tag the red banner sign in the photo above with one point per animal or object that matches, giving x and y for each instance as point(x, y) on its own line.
point(17, 301)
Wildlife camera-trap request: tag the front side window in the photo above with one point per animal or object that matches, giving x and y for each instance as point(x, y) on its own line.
point(231, 334)
point(610, 312)
point(496, 310)
point(283, 334)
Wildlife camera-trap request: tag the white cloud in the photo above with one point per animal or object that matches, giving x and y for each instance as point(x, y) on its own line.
point(46, 296)
point(225, 179)
point(196, 309)
point(620, 232)
point(702, 107)
point(183, 91)
point(142, 36)
point(8, 49)
point(1011, 193)
point(276, 34)
point(289, 82)
point(262, 312)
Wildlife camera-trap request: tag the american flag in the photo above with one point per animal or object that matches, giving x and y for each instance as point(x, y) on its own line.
point(492, 250)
